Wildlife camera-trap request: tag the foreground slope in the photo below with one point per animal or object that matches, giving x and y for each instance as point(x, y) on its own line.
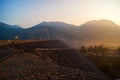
point(40, 60)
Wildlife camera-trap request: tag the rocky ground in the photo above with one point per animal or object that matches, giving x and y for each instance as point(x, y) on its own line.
point(47, 60)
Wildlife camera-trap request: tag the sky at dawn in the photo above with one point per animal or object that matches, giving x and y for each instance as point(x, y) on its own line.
point(27, 13)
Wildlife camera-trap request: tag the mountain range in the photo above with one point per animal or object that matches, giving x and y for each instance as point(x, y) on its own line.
point(95, 32)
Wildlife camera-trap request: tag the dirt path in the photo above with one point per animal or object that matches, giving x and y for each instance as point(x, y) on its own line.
point(4, 54)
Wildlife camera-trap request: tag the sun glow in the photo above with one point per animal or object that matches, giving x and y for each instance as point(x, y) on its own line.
point(29, 12)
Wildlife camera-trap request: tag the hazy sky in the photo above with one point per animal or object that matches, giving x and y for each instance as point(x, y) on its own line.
point(27, 13)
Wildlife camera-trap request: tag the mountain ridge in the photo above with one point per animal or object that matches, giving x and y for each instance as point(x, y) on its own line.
point(90, 33)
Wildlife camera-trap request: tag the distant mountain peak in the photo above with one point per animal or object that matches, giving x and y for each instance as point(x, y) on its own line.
point(107, 21)
point(53, 24)
point(1, 23)
point(4, 25)
point(17, 26)
point(102, 23)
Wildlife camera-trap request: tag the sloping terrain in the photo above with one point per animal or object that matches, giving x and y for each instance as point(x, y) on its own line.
point(109, 65)
point(47, 62)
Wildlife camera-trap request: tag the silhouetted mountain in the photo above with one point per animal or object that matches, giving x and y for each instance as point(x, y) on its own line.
point(5, 26)
point(54, 29)
point(90, 33)
point(9, 31)
point(54, 24)
point(16, 26)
